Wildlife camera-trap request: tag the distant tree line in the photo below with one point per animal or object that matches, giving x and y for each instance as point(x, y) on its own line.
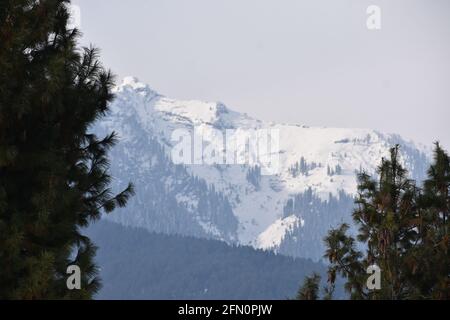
point(303, 167)
point(137, 264)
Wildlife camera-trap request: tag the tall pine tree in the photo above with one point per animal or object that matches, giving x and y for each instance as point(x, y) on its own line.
point(403, 230)
point(53, 173)
point(431, 261)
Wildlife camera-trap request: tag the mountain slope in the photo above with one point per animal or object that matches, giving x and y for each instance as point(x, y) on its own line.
point(287, 211)
point(136, 264)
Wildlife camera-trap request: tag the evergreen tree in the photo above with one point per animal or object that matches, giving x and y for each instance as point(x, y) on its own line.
point(403, 231)
point(310, 288)
point(431, 271)
point(385, 210)
point(53, 173)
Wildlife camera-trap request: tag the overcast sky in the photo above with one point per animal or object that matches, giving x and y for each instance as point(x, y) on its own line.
point(311, 62)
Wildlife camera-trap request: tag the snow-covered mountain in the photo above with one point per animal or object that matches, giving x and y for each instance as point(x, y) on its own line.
point(288, 211)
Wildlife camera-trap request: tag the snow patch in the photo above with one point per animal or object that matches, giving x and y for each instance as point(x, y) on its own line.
point(273, 236)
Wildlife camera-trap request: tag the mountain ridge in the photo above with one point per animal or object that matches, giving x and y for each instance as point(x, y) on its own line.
point(315, 162)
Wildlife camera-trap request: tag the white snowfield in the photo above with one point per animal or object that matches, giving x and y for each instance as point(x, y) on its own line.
point(272, 237)
point(332, 156)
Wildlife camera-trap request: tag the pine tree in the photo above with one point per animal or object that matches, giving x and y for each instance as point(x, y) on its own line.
point(310, 288)
point(402, 230)
point(384, 211)
point(431, 272)
point(53, 173)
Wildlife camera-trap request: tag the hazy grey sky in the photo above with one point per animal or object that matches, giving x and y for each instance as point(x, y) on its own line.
point(312, 62)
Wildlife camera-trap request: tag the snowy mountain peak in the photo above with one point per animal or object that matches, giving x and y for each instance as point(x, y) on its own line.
point(311, 191)
point(133, 84)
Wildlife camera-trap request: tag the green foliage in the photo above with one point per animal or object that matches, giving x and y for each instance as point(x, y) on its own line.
point(310, 288)
point(53, 174)
point(431, 263)
point(402, 229)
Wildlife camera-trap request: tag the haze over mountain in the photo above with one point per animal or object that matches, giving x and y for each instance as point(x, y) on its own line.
point(314, 61)
point(288, 211)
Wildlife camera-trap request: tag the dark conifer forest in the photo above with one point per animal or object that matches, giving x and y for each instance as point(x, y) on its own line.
point(136, 264)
